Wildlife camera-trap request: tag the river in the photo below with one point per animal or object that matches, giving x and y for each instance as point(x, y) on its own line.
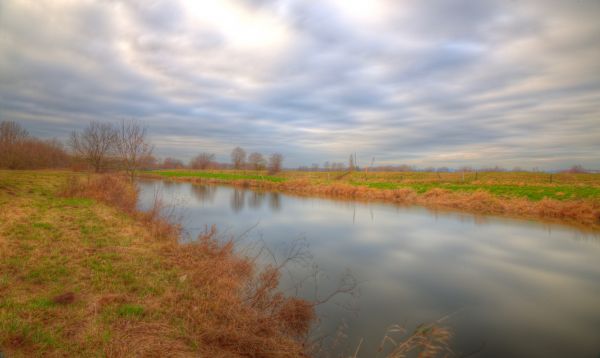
point(505, 287)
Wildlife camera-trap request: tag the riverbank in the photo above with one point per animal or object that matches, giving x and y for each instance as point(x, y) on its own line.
point(572, 199)
point(83, 273)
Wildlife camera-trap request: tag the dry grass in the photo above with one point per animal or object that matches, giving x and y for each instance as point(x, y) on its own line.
point(82, 278)
point(426, 341)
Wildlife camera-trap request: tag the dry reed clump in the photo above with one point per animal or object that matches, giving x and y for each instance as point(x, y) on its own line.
point(242, 311)
point(427, 341)
point(404, 195)
point(109, 189)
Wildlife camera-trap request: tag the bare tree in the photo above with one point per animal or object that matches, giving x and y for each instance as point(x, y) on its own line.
point(94, 144)
point(172, 163)
point(275, 163)
point(12, 136)
point(202, 161)
point(257, 161)
point(132, 146)
point(238, 158)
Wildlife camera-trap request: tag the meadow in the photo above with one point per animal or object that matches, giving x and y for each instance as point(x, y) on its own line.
point(83, 273)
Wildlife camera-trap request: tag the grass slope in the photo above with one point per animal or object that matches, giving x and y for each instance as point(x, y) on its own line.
point(81, 278)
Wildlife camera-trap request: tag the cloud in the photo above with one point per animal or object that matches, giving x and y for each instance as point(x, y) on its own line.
point(418, 82)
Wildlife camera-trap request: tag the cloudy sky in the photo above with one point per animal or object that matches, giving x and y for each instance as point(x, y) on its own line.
point(422, 82)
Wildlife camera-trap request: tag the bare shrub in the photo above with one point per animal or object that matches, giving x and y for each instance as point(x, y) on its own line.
point(18, 150)
point(171, 163)
point(257, 161)
point(203, 161)
point(238, 158)
point(132, 146)
point(275, 163)
point(109, 189)
point(94, 144)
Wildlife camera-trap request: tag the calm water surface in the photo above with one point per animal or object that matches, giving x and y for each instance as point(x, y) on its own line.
point(511, 288)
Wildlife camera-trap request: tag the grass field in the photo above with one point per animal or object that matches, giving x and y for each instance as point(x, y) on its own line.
point(533, 186)
point(82, 278)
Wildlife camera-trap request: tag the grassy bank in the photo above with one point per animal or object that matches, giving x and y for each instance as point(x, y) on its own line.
point(80, 277)
point(566, 198)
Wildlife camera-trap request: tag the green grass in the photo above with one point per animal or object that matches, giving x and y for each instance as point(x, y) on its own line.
point(217, 175)
point(51, 245)
point(130, 310)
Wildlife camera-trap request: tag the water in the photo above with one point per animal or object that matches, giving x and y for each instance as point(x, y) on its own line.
point(511, 288)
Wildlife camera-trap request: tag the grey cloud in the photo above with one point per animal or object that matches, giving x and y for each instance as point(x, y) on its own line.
point(426, 82)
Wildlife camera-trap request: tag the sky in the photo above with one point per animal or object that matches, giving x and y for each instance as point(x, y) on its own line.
point(418, 82)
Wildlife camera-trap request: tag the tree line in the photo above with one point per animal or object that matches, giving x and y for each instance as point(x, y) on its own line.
point(99, 146)
point(104, 146)
point(125, 146)
point(240, 160)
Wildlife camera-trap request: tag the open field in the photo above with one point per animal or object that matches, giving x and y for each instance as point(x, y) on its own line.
point(569, 198)
point(79, 277)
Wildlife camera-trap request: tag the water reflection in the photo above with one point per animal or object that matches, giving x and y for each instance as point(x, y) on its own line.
point(204, 193)
point(238, 199)
point(275, 201)
point(256, 199)
point(516, 287)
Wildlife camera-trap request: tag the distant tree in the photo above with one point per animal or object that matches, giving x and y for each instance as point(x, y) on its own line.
point(12, 138)
point(314, 167)
point(94, 144)
point(203, 161)
point(326, 166)
point(238, 158)
point(275, 163)
point(576, 169)
point(172, 163)
point(132, 146)
point(257, 161)
point(149, 162)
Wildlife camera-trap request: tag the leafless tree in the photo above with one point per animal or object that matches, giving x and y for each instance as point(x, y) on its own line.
point(172, 163)
point(275, 163)
point(202, 161)
point(257, 161)
point(132, 146)
point(238, 158)
point(12, 136)
point(94, 144)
